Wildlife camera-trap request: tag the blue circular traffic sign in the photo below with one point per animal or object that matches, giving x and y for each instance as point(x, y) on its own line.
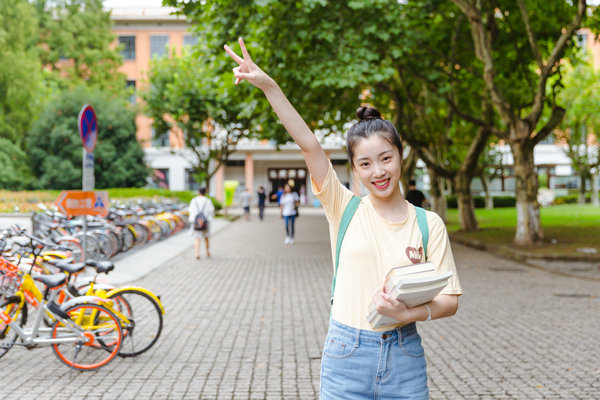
point(88, 127)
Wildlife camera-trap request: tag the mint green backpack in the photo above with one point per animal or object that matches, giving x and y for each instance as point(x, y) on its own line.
point(347, 217)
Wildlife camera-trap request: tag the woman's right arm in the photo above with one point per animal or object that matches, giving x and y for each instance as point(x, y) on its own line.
point(314, 155)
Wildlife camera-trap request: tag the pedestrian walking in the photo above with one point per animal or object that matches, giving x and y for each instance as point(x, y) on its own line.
point(261, 201)
point(245, 199)
point(414, 196)
point(359, 362)
point(201, 211)
point(289, 210)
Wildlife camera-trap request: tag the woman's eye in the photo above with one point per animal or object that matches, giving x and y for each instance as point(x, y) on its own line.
point(364, 164)
point(386, 159)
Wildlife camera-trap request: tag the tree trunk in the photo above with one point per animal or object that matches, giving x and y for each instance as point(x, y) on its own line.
point(581, 198)
point(489, 201)
point(529, 227)
point(408, 169)
point(466, 208)
point(438, 199)
point(594, 183)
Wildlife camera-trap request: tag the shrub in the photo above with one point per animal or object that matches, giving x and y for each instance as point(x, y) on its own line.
point(571, 199)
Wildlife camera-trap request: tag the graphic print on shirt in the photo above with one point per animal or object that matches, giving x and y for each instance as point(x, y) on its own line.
point(414, 255)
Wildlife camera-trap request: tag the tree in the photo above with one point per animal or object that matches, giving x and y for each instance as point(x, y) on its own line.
point(329, 55)
point(521, 46)
point(55, 147)
point(186, 93)
point(76, 44)
point(21, 87)
point(16, 174)
point(581, 125)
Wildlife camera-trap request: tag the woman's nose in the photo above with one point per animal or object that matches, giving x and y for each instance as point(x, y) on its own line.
point(378, 169)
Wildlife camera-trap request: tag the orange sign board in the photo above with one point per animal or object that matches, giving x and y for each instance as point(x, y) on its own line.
point(77, 202)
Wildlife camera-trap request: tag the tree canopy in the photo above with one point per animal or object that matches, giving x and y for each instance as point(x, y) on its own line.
point(21, 86)
point(55, 147)
point(185, 93)
point(75, 42)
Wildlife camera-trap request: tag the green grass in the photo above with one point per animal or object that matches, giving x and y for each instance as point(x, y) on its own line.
point(566, 228)
point(184, 196)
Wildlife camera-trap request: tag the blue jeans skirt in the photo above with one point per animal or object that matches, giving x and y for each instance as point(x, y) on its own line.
point(361, 364)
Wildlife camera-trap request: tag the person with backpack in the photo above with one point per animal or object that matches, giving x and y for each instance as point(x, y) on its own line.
point(201, 211)
point(360, 362)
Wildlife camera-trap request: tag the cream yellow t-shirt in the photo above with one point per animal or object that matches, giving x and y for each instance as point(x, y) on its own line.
point(372, 246)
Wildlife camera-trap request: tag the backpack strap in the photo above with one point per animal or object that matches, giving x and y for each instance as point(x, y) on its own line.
point(346, 218)
point(423, 227)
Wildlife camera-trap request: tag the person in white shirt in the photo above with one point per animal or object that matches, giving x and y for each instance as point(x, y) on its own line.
point(245, 199)
point(201, 203)
point(288, 203)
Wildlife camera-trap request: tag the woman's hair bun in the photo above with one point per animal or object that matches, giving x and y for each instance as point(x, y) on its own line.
point(364, 113)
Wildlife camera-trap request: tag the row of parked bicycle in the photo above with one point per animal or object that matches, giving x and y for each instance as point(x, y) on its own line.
point(125, 227)
point(86, 320)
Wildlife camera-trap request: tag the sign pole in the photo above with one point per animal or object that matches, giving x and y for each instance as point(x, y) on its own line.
point(88, 130)
point(84, 184)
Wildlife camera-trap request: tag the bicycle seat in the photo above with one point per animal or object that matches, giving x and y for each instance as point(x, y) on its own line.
point(54, 261)
point(101, 266)
point(51, 281)
point(69, 268)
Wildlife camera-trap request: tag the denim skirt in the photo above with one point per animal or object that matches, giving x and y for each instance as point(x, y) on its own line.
point(361, 364)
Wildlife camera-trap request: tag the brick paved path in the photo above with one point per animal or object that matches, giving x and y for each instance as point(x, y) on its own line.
point(250, 322)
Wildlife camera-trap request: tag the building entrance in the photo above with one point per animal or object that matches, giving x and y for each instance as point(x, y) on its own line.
point(278, 177)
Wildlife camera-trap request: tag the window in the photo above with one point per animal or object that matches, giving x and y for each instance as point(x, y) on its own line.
point(192, 184)
point(581, 40)
point(190, 40)
point(128, 51)
point(160, 178)
point(158, 45)
point(161, 140)
point(131, 88)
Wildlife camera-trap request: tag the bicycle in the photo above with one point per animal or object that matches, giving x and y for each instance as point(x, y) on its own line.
point(85, 335)
point(139, 310)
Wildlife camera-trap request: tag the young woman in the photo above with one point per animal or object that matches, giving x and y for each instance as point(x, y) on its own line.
point(288, 203)
point(359, 362)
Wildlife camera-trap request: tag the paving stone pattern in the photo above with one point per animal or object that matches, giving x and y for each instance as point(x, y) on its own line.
point(250, 322)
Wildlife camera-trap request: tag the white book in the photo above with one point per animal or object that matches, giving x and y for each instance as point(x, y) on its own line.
point(413, 289)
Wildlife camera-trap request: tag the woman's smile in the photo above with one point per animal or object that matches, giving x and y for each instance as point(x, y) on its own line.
point(381, 184)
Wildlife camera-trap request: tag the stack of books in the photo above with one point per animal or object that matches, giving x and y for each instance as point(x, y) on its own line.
point(413, 285)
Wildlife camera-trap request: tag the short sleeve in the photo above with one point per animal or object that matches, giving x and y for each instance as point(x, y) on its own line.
point(333, 196)
point(440, 252)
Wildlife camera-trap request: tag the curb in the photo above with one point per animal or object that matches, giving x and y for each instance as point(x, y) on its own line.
point(524, 257)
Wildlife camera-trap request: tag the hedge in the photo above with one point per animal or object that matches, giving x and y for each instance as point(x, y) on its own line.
point(479, 201)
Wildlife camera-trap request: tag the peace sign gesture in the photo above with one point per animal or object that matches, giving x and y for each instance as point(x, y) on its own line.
point(247, 69)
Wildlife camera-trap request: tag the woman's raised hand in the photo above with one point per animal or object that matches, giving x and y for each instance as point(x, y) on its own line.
point(246, 69)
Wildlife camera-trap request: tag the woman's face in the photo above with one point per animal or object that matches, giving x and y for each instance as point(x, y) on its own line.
point(287, 188)
point(377, 165)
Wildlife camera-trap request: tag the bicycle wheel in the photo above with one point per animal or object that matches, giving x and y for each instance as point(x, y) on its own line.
point(18, 314)
point(99, 341)
point(128, 238)
point(145, 317)
point(92, 248)
point(105, 247)
point(74, 247)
